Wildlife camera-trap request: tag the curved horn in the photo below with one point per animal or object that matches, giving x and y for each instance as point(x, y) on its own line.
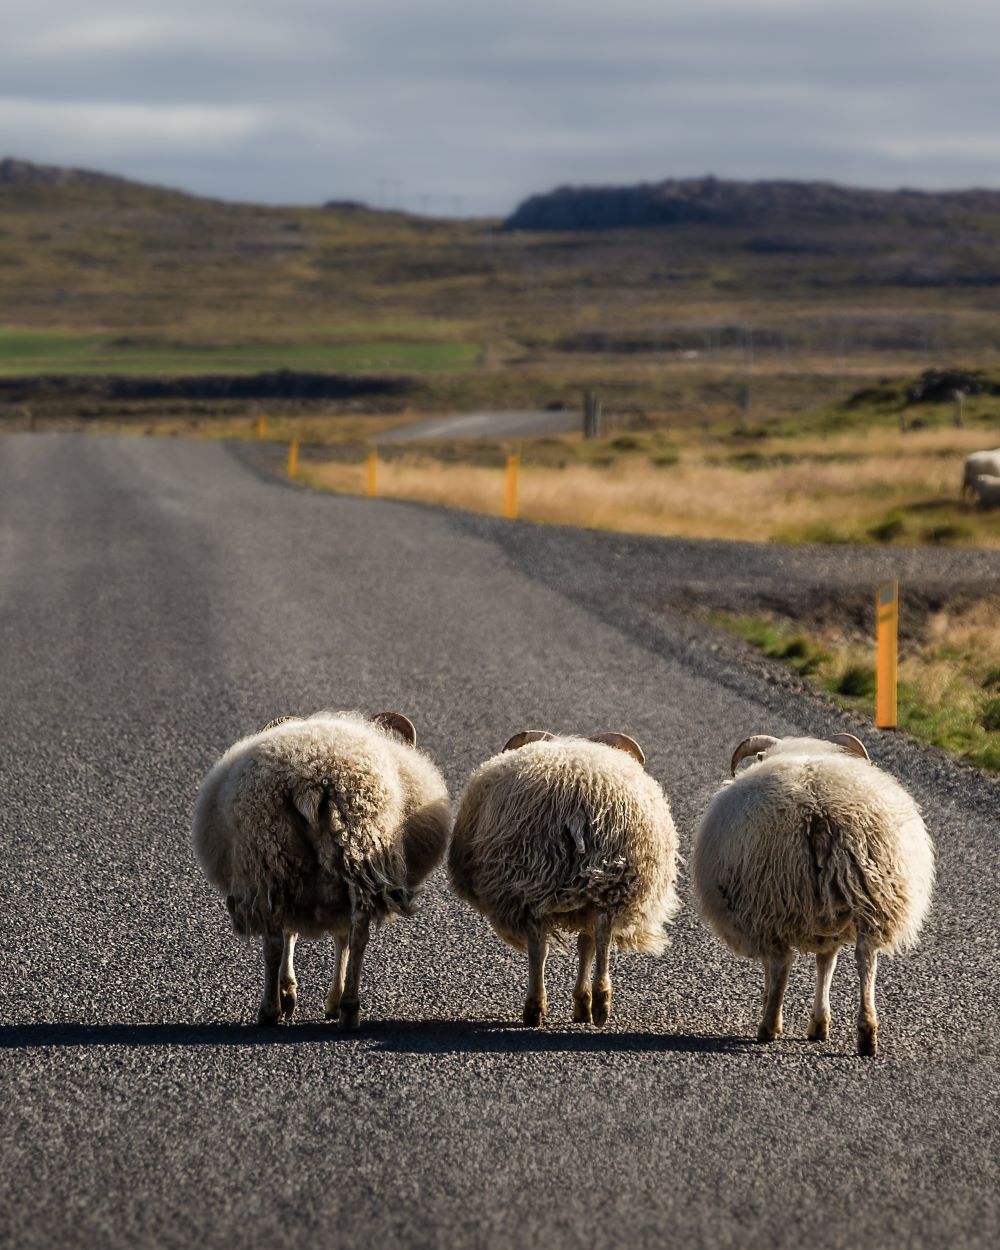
point(854, 745)
point(750, 746)
point(398, 724)
point(278, 720)
point(524, 737)
point(621, 742)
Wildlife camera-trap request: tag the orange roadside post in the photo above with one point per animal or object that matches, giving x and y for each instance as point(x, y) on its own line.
point(510, 485)
point(372, 473)
point(261, 425)
point(886, 654)
point(293, 457)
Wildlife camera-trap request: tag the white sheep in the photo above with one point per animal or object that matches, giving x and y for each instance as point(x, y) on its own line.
point(810, 849)
point(977, 464)
point(320, 825)
point(987, 490)
point(567, 835)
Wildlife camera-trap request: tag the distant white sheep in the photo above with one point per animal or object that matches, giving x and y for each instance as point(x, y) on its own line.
point(567, 835)
point(810, 849)
point(320, 825)
point(978, 464)
point(987, 491)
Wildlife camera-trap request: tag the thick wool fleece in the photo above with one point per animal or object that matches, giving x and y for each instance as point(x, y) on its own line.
point(807, 847)
point(295, 821)
point(551, 833)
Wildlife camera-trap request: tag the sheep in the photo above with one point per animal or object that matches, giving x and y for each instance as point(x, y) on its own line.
point(560, 835)
point(987, 490)
point(977, 464)
point(320, 825)
point(810, 849)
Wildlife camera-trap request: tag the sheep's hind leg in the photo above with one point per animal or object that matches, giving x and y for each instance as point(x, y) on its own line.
point(269, 1011)
point(581, 991)
point(287, 984)
point(819, 1021)
point(350, 1006)
point(336, 993)
point(535, 1004)
point(867, 957)
point(776, 971)
point(603, 932)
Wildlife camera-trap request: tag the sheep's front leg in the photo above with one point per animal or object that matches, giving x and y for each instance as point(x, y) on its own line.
point(340, 949)
point(581, 991)
point(535, 1005)
point(350, 1006)
point(269, 1011)
point(287, 984)
point(776, 971)
point(867, 957)
point(819, 1021)
point(603, 932)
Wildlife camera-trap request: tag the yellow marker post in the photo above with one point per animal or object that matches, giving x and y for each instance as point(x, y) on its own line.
point(886, 650)
point(293, 457)
point(261, 425)
point(372, 473)
point(510, 485)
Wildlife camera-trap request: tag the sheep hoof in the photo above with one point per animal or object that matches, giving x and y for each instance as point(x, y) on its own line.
point(765, 1034)
point(601, 1007)
point(868, 1040)
point(819, 1030)
point(267, 1016)
point(349, 1017)
point(288, 998)
point(581, 1009)
point(332, 1013)
point(534, 1014)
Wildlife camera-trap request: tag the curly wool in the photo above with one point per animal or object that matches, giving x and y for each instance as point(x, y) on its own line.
point(557, 830)
point(296, 821)
point(808, 846)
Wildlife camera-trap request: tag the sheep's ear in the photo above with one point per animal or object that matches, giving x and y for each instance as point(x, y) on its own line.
point(398, 724)
point(621, 742)
point(278, 720)
point(854, 745)
point(526, 736)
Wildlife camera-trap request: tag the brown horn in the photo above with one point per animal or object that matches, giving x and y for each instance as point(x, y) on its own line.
point(524, 737)
point(750, 746)
point(278, 720)
point(621, 742)
point(398, 724)
point(854, 745)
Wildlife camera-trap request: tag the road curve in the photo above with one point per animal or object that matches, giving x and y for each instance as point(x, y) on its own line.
point(161, 598)
point(488, 424)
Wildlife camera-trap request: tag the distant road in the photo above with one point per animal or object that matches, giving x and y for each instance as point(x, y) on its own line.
point(160, 598)
point(503, 424)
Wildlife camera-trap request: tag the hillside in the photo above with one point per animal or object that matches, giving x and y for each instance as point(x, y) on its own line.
point(717, 201)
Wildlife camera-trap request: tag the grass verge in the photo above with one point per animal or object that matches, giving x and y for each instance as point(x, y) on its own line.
point(949, 677)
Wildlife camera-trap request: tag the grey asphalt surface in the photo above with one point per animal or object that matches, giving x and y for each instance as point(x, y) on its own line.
point(160, 599)
point(488, 424)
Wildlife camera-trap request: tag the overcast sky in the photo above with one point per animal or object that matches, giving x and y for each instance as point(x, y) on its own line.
point(459, 105)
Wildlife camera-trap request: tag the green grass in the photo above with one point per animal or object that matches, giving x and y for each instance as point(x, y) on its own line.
point(25, 353)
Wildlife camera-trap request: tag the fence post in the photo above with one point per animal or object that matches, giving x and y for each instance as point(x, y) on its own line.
point(510, 485)
point(293, 457)
point(372, 473)
point(261, 426)
point(886, 654)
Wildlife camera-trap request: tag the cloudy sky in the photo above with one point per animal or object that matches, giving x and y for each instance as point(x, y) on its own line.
point(466, 106)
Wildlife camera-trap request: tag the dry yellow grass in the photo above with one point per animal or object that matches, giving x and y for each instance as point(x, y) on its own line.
point(833, 488)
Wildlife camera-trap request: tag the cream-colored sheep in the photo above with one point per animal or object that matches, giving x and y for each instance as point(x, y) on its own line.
point(320, 825)
point(810, 849)
point(978, 464)
point(567, 835)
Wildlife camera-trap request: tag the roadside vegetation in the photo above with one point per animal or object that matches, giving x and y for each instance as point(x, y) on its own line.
point(949, 673)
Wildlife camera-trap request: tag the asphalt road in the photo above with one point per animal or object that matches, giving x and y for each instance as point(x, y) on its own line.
point(492, 424)
point(159, 599)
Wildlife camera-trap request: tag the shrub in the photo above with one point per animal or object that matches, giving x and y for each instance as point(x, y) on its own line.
point(888, 529)
point(857, 681)
point(990, 716)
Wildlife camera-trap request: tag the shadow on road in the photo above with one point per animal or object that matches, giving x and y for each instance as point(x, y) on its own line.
point(394, 1036)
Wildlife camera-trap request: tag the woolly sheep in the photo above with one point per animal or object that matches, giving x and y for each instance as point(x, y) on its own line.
point(977, 464)
point(320, 825)
point(810, 849)
point(987, 490)
point(563, 835)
